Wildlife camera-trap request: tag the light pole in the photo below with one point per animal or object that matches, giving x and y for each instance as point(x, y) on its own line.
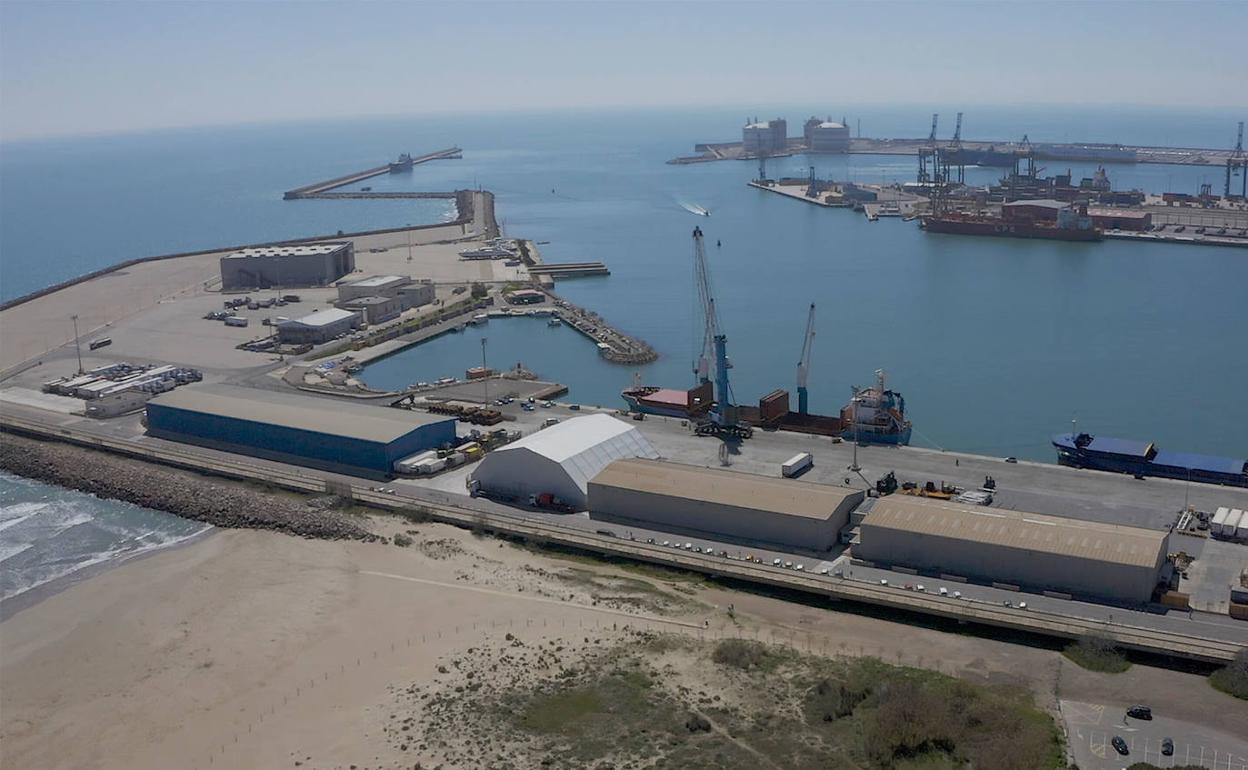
point(485, 373)
point(77, 342)
point(409, 241)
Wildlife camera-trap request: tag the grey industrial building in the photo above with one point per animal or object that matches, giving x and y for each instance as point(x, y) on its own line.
point(721, 503)
point(1029, 550)
point(826, 136)
point(374, 309)
point(314, 264)
point(764, 137)
point(373, 286)
point(318, 326)
point(329, 434)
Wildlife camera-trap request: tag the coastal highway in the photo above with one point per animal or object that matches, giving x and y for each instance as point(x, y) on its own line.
point(1168, 634)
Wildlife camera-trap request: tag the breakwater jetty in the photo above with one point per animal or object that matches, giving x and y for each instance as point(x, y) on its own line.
point(404, 163)
point(613, 345)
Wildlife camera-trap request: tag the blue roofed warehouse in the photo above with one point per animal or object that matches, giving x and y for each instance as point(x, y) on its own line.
point(324, 433)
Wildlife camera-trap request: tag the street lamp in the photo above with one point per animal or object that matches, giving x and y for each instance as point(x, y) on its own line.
point(485, 373)
point(77, 342)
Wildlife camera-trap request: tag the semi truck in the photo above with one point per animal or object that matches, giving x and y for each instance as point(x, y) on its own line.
point(797, 464)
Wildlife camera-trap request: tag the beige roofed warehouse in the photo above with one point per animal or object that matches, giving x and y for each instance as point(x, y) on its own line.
point(716, 502)
point(1030, 550)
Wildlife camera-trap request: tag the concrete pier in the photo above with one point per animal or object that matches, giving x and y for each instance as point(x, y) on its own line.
point(322, 189)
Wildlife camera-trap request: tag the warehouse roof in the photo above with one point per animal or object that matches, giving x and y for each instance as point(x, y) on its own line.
point(287, 251)
point(729, 488)
point(319, 415)
point(1054, 535)
point(584, 445)
point(378, 280)
point(1046, 203)
point(320, 318)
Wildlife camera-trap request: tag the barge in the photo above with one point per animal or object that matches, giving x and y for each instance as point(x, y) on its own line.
point(1143, 458)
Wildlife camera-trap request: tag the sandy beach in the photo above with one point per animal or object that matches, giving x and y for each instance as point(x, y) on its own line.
point(256, 649)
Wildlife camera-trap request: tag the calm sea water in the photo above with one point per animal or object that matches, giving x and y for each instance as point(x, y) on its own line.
point(996, 343)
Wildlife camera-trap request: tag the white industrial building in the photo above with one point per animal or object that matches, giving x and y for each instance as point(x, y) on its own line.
point(559, 460)
point(722, 503)
point(1028, 550)
point(317, 327)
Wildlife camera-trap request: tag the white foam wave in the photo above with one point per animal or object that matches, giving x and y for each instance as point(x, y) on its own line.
point(118, 554)
point(11, 515)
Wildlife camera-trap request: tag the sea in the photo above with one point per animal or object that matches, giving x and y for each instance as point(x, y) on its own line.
point(996, 344)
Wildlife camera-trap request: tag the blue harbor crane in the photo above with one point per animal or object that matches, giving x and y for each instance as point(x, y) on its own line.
point(803, 366)
point(722, 420)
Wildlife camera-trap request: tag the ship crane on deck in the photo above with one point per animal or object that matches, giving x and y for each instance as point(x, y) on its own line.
point(723, 419)
point(803, 366)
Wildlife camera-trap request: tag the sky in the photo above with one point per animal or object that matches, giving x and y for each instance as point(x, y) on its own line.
point(71, 68)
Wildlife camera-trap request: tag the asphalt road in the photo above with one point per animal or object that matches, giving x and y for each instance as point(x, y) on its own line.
point(1091, 727)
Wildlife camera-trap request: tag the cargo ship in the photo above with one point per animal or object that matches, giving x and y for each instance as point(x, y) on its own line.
point(670, 402)
point(1051, 220)
point(876, 415)
point(1142, 458)
point(990, 156)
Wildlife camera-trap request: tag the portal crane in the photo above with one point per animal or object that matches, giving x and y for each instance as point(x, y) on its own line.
point(1237, 163)
point(931, 138)
point(803, 366)
point(957, 134)
point(714, 354)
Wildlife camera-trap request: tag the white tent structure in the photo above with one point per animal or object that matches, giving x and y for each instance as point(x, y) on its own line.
point(560, 460)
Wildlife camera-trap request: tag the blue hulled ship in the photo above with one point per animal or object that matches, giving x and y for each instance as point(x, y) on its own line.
point(1143, 458)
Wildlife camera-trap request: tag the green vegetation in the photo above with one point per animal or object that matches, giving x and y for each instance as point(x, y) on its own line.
point(745, 655)
point(1096, 653)
point(669, 701)
point(479, 290)
point(1233, 679)
point(402, 540)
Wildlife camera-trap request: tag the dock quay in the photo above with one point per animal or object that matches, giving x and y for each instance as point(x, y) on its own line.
point(1091, 152)
point(405, 163)
point(557, 271)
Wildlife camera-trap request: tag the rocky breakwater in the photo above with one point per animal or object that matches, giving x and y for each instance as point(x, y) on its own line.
point(181, 493)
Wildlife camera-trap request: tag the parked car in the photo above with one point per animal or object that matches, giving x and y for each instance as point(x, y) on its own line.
point(1167, 747)
point(1120, 746)
point(1140, 712)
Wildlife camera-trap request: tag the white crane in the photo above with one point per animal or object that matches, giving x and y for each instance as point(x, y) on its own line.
point(803, 366)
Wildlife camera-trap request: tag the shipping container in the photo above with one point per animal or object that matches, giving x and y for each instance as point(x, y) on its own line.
point(235, 320)
point(796, 464)
point(1219, 518)
point(1231, 524)
point(773, 406)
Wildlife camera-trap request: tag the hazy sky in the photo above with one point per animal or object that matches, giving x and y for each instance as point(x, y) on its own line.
point(85, 67)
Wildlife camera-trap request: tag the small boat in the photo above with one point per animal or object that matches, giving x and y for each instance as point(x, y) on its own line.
point(554, 322)
point(461, 327)
point(479, 319)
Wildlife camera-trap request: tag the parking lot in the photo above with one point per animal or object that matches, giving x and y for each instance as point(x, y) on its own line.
point(1092, 727)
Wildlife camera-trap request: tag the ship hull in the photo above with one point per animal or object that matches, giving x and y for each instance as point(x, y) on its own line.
point(636, 404)
point(899, 438)
point(1074, 457)
point(1008, 230)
